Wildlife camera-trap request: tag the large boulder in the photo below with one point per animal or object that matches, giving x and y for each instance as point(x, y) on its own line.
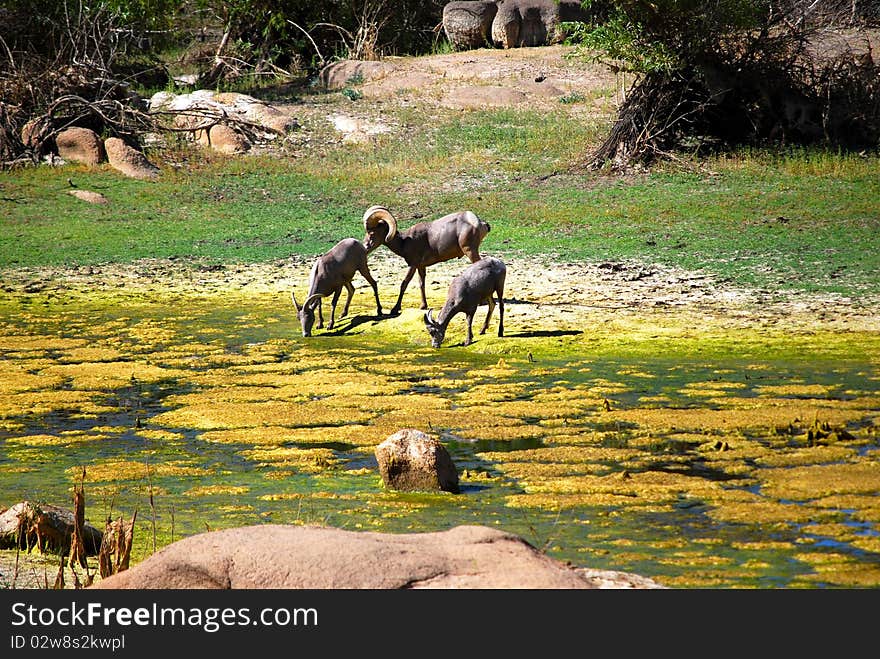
point(413, 460)
point(349, 72)
point(312, 557)
point(80, 145)
point(129, 160)
point(224, 139)
point(533, 22)
point(468, 23)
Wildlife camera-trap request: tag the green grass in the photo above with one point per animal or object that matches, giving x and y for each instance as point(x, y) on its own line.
point(801, 219)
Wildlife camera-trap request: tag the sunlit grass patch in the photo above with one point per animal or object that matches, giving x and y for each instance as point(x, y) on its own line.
point(90, 354)
point(151, 333)
point(499, 370)
point(520, 462)
point(111, 375)
point(20, 343)
point(38, 403)
point(839, 570)
point(208, 490)
point(639, 488)
point(355, 434)
point(15, 378)
point(503, 431)
point(862, 507)
point(159, 435)
point(62, 439)
point(816, 481)
point(553, 501)
point(805, 456)
point(709, 389)
point(742, 414)
point(747, 508)
point(531, 410)
point(306, 460)
point(489, 391)
point(128, 470)
point(236, 414)
point(796, 390)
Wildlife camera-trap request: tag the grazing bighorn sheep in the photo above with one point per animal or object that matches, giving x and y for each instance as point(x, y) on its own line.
point(332, 272)
point(474, 286)
point(425, 243)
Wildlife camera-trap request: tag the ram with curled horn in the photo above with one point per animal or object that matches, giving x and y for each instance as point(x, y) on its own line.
point(333, 271)
point(426, 243)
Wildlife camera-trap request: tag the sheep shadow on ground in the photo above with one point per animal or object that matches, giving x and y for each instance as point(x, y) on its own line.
point(534, 334)
point(351, 323)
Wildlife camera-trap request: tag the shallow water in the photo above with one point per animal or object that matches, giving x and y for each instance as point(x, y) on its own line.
point(697, 455)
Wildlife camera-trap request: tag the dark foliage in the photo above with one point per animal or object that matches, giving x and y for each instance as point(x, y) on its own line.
point(738, 72)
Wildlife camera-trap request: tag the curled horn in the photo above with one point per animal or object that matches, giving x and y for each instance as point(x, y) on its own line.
point(375, 214)
point(312, 299)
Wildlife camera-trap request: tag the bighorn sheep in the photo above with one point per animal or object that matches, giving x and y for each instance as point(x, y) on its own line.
point(425, 243)
point(332, 272)
point(474, 286)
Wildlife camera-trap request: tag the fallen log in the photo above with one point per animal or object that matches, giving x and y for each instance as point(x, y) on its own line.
point(49, 528)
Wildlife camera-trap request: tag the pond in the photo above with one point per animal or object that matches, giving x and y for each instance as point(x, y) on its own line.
point(701, 455)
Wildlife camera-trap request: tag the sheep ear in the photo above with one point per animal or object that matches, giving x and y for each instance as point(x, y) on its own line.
point(293, 297)
point(429, 321)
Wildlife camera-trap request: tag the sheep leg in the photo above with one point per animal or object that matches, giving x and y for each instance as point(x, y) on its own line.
point(422, 287)
point(333, 308)
point(500, 315)
point(470, 335)
point(499, 290)
point(318, 308)
point(350, 288)
point(491, 304)
point(409, 275)
point(366, 275)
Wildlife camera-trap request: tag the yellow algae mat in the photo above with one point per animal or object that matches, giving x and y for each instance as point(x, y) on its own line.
point(711, 443)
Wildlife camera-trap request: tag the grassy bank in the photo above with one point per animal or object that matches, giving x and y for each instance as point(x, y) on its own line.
point(801, 219)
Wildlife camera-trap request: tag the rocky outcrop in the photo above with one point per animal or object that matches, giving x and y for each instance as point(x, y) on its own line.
point(468, 24)
point(228, 122)
point(80, 145)
point(224, 139)
point(348, 72)
point(310, 557)
point(129, 160)
point(412, 460)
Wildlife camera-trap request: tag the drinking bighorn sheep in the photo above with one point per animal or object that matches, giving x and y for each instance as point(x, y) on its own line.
point(425, 243)
point(332, 272)
point(473, 287)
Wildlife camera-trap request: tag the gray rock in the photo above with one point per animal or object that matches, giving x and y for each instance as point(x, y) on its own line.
point(412, 460)
point(533, 22)
point(468, 23)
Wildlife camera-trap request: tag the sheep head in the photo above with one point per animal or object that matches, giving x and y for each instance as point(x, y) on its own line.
point(306, 312)
point(380, 225)
point(435, 329)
